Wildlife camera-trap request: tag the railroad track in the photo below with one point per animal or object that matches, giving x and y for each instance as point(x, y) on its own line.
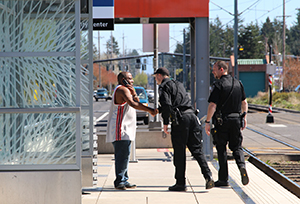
point(286, 173)
point(266, 109)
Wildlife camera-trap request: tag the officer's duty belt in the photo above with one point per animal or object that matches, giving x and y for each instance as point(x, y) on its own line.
point(233, 115)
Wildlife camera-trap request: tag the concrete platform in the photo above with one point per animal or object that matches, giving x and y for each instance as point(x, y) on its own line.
point(154, 173)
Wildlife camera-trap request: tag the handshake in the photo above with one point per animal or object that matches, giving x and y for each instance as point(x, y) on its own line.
point(153, 111)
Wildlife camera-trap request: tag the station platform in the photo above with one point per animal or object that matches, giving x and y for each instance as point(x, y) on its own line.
point(153, 172)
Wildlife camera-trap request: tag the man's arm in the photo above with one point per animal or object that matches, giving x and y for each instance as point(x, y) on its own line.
point(244, 106)
point(210, 111)
point(129, 95)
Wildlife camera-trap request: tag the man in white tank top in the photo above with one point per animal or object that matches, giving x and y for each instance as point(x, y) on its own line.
point(121, 126)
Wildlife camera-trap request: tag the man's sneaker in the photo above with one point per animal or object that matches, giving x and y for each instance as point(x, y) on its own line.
point(209, 183)
point(221, 183)
point(129, 185)
point(120, 187)
point(177, 187)
point(244, 176)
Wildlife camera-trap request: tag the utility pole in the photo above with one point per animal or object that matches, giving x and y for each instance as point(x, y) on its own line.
point(99, 59)
point(111, 56)
point(283, 42)
point(155, 66)
point(184, 60)
point(236, 39)
point(123, 64)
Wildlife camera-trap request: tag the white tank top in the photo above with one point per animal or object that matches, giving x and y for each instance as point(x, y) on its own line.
point(121, 124)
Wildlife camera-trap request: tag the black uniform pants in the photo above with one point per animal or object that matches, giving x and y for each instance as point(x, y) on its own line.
point(229, 132)
point(188, 133)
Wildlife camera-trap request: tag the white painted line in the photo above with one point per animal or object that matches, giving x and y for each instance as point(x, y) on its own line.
point(277, 125)
point(102, 116)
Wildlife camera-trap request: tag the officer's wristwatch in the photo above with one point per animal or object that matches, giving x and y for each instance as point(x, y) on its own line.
point(207, 121)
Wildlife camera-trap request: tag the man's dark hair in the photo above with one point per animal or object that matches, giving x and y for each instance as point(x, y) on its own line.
point(222, 64)
point(122, 75)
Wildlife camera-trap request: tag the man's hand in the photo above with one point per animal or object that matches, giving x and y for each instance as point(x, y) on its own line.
point(207, 128)
point(166, 129)
point(154, 112)
point(131, 89)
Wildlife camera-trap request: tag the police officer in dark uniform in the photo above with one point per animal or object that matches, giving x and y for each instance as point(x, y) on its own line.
point(175, 104)
point(227, 107)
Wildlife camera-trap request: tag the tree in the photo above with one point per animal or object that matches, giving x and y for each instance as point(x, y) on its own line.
point(130, 63)
point(84, 47)
point(112, 47)
point(294, 37)
point(107, 77)
point(228, 40)
point(141, 79)
point(216, 36)
point(267, 31)
point(251, 41)
point(291, 73)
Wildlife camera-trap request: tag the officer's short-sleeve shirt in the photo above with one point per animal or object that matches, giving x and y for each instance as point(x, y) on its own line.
point(221, 91)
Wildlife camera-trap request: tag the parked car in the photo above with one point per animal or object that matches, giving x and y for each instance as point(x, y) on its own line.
point(102, 93)
point(142, 94)
point(297, 89)
point(150, 94)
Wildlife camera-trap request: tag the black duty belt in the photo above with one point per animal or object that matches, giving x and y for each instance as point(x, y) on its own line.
point(232, 115)
point(188, 111)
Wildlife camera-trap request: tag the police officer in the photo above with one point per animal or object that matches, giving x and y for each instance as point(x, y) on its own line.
point(185, 128)
point(226, 103)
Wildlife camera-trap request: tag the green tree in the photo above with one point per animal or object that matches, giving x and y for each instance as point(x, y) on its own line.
point(112, 46)
point(130, 63)
point(84, 47)
point(267, 31)
point(141, 79)
point(216, 36)
point(228, 40)
point(175, 63)
point(251, 41)
point(293, 39)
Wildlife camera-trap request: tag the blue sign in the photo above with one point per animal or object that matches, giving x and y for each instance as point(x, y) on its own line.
point(103, 15)
point(103, 2)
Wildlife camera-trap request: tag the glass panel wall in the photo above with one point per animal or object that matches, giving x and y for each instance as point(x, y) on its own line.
point(38, 73)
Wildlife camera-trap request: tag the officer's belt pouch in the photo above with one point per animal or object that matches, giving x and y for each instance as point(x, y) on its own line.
point(176, 116)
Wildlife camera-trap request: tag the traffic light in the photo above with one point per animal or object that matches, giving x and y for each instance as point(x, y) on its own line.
point(241, 49)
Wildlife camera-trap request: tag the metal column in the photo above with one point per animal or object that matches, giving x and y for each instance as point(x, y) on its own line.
point(202, 75)
point(192, 62)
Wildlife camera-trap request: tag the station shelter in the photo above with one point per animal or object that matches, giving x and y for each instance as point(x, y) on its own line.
point(47, 137)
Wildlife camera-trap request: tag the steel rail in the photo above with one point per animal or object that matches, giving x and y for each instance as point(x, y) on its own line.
point(272, 138)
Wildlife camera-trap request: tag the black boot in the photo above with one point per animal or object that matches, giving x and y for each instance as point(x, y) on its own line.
point(177, 187)
point(209, 183)
point(244, 176)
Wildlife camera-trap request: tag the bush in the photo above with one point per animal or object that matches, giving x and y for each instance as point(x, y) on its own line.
point(290, 100)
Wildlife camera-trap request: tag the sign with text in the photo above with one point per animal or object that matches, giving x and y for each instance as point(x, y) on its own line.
point(103, 14)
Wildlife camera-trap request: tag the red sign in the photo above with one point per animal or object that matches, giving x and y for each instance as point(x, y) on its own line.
point(161, 8)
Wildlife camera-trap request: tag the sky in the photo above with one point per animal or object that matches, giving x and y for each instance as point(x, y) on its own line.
point(255, 11)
